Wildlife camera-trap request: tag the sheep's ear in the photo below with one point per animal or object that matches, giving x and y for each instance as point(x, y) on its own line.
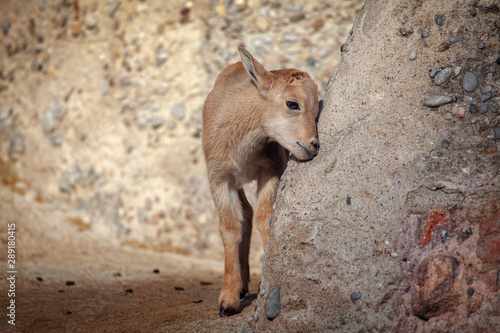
point(257, 72)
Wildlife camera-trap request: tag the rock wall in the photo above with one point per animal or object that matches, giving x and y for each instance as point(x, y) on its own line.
point(395, 225)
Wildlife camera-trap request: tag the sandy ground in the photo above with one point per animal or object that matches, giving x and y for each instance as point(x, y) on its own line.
point(115, 287)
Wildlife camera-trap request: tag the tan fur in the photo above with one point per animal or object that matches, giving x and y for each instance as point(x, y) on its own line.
point(249, 131)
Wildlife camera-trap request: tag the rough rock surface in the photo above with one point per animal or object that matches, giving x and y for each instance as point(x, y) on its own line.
point(402, 203)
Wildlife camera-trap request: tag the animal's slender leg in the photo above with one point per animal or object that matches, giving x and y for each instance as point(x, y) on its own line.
point(267, 185)
point(246, 233)
point(230, 211)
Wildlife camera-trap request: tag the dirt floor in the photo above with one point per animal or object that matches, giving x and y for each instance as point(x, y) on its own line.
point(73, 281)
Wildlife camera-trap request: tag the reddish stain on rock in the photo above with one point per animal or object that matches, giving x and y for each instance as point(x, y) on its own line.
point(435, 218)
point(493, 249)
point(437, 286)
point(490, 223)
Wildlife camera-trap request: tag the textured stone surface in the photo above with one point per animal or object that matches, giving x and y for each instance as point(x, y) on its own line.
point(437, 286)
point(423, 216)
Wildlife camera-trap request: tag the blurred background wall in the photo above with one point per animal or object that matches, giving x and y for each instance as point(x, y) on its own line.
point(100, 104)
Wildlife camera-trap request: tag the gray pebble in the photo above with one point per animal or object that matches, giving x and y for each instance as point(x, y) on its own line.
point(470, 82)
point(486, 89)
point(483, 109)
point(161, 55)
point(142, 121)
point(6, 26)
point(297, 17)
point(64, 17)
point(492, 108)
point(413, 55)
point(104, 89)
point(454, 39)
point(443, 76)
point(57, 140)
point(17, 145)
point(157, 122)
point(473, 109)
point(141, 215)
point(486, 97)
point(438, 19)
point(161, 88)
point(50, 115)
point(178, 111)
point(69, 178)
point(273, 303)
point(496, 132)
point(424, 34)
point(435, 101)
point(125, 81)
point(290, 38)
point(42, 4)
point(457, 70)
point(237, 28)
point(355, 295)
point(433, 72)
point(492, 70)
point(445, 143)
point(262, 292)
point(481, 45)
point(113, 8)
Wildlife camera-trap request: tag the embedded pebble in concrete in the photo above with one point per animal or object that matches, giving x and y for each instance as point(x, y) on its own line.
point(273, 303)
point(161, 55)
point(486, 89)
point(438, 19)
point(492, 108)
point(290, 38)
point(57, 140)
point(443, 76)
point(486, 97)
point(157, 122)
point(454, 39)
point(355, 295)
point(6, 26)
point(473, 109)
point(433, 73)
point(435, 101)
point(481, 45)
point(457, 70)
point(178, 111)
point(483, 109)
point(470, 82)
point(50, 115)
point(461, 112)
point(413, 55)
point(492, 70)
point(424, 34)
point(496, 132)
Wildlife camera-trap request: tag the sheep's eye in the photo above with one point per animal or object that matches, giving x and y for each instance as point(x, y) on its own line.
point(292, 105)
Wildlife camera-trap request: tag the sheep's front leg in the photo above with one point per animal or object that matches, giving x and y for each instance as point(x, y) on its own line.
point(231, 221)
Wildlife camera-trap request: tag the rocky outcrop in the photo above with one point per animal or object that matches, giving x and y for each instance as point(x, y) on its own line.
point(395, 225)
